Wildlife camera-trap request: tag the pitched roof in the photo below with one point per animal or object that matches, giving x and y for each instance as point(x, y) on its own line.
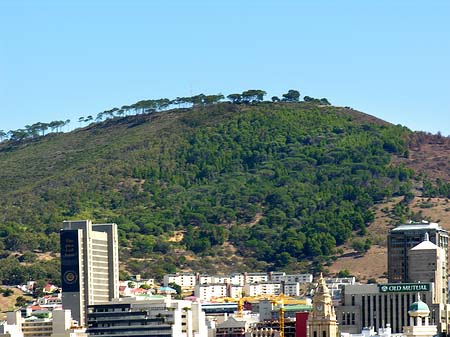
point(426, 245)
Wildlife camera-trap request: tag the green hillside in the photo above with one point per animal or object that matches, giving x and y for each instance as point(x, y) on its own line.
point(279, 183)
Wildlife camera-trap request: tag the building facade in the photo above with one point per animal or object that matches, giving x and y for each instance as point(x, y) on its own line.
point(150, 317)
point(373, 305)
point(427, 264)
point(404, 237)
point(58, 324)
point(89, 265)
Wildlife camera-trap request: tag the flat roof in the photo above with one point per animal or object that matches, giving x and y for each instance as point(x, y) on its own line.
point(416, 226)
point(295, 307)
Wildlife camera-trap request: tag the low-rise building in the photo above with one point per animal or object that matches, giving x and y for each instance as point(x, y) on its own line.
point(262, 289)
point(221, 279)
point(277, 276)
point(236, 326)
point(185, 281)
point(10, 330)
point(237, 279)
point(58, 323)
point(336, 285)
point(206, 292)
point(204, 279)
point(271, 288)
point(256, 277)
point(291, 288)
point(50, 301)
point(300, 278)
point(235, 291)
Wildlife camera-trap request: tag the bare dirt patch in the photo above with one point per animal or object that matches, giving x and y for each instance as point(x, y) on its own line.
point(177, 236)
point(8, 303)
point(371, 265)
point(428, 154)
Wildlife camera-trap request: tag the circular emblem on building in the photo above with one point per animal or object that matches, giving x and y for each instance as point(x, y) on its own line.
point(384, 288)
point(70, 277)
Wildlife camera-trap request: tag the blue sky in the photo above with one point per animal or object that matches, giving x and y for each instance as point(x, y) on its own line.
point(66, 59)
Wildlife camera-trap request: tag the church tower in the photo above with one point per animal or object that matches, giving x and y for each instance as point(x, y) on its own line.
point(322, 319)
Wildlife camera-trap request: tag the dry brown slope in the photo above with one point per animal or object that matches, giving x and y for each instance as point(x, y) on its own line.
point(430, 156)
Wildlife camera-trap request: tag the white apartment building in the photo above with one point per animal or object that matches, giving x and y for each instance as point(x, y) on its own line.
point(256, 277)
point(252, 289)
point(204, 279)
point(235, 291)
point(185, 281)
point(291, 289)
point(206, 292)
point(273, 283)
point(237, 279)
point(221, 279)
point(263, 288)
point(277, 276)
point(271, 288)
point(300, 278)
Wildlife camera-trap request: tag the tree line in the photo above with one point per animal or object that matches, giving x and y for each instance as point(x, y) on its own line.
point(251, 96)
point(33, 130)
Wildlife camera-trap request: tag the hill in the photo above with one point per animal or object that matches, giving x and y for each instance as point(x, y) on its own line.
point(214, 187)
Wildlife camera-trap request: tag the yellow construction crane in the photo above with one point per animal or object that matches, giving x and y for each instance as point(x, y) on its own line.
point(242, 300)
point(280, 301)
point(277, 300)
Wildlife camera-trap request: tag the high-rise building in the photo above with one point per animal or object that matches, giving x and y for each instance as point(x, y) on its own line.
point(404, 237)
point(427, 264)
point(89, 266)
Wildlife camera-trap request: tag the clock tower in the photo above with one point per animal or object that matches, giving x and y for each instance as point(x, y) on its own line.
point(322, 319)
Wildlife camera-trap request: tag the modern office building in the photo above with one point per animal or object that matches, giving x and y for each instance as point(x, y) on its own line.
point(89, 266)
point(160, 316)
point(404, 237)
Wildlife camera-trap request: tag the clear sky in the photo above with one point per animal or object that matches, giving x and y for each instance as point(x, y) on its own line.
point(63, 59)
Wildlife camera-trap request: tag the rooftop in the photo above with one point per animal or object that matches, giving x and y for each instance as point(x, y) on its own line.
point(416, 226)
point(419, 308)
point(426, 245)
point(297, 307)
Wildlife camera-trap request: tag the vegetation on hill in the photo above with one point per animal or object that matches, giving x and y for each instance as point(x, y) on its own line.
point(282, 182)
